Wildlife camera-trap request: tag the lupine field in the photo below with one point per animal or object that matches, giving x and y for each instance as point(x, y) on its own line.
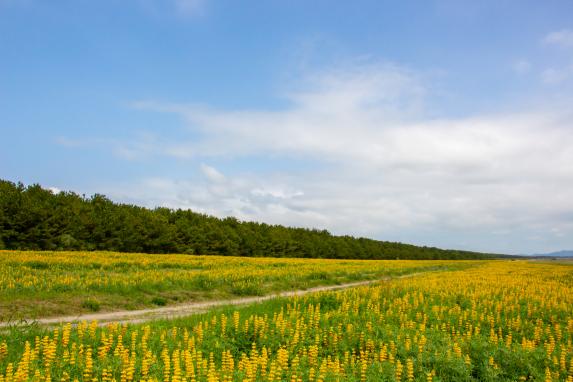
point(38, 284)
point(489, 321)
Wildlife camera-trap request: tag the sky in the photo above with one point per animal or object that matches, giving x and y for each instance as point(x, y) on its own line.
point(444, 123)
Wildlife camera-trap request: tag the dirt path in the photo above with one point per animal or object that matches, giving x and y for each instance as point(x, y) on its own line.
point(142, 315)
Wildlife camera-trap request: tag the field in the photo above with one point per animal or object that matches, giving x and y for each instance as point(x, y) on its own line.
point(40, 284)
point(493, 321)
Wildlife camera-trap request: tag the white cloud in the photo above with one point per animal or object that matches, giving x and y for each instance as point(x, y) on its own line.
point(140, 147)
point(69, 142)
point(553, 76)
point(562, 38)
point(277, 193)
point(212, 173)
point(380, 166)
point(189, 7)
point(556, 75)
point(522, 67)
point(184, 8)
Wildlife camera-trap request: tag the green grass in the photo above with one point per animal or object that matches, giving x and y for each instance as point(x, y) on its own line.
point(91, 305)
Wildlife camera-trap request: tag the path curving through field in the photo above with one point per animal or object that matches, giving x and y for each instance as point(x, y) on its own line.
point(187, 309)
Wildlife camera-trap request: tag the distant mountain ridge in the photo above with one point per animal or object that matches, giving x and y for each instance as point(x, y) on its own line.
point(563, 253)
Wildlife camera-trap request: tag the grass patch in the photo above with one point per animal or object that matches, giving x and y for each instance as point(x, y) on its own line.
point(91, 305)
point(159, 301)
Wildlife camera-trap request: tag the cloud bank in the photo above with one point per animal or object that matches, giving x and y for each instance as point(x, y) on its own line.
point(369, 160)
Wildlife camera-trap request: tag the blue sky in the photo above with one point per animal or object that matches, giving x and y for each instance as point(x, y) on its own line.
point(446, 123)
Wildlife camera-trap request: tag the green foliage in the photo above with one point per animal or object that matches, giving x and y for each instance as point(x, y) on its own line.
point(92, 305)
point(159, 301)
point(32, 218)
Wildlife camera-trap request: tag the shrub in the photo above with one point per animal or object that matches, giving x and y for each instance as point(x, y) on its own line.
point(91, 304)
point(158, 300)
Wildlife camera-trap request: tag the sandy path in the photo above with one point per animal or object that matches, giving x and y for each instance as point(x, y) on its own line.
point(142, 315)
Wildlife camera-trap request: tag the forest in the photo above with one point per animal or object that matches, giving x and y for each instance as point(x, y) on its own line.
point(34, 218)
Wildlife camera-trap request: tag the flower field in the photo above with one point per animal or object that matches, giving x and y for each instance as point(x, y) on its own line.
point(39, 284)
point(495, 321)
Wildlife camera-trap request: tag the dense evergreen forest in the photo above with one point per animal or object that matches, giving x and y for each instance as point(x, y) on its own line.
point(37, 219)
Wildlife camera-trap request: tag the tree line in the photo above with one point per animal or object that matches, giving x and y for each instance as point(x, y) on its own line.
point(34, 218)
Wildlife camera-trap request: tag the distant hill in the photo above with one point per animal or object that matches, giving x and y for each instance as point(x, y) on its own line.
point(565, 253)
point(34, 218)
